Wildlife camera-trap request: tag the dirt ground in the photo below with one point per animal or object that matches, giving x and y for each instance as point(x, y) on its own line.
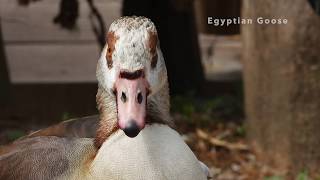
point(224, 148)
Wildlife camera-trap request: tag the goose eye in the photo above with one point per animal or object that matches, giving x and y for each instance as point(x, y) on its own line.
point(109, 57)
point(154, 61)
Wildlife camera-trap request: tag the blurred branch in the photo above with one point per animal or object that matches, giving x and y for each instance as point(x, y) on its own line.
point(68, 14)
point(218, 142)
point(98, 26)
point(26, 2)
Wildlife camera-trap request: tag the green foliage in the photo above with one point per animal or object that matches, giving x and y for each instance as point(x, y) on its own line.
point(15, 134)
point(273, 178)
point(225, 107)
point(183, 105)
point(303, 175)
point(241, 131)
point(65, 116)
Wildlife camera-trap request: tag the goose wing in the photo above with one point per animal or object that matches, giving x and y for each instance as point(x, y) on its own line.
point(84, 127)
point(43, 158)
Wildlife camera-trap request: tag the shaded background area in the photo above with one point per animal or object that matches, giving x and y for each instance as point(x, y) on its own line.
point(49, 50)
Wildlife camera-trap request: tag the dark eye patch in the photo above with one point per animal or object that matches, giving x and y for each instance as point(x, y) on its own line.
point(152, 42)
point(154, 61)
point(109, 58)
point(111, 41)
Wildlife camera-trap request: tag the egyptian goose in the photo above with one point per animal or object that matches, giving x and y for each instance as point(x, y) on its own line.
point(133, 139)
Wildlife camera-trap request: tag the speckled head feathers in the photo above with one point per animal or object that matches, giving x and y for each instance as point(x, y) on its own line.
point(133, 23)
point(132, 44)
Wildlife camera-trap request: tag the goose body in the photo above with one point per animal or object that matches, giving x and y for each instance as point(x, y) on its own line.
point(158, 152)
point(131, 139)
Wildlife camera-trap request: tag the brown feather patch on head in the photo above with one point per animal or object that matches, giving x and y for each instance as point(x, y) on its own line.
point(152, 43)
point(111, 41)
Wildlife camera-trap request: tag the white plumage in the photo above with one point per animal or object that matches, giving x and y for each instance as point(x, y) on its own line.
point(158, 152)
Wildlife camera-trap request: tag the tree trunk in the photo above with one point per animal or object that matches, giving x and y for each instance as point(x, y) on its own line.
point(4, 76)
point(282, 83)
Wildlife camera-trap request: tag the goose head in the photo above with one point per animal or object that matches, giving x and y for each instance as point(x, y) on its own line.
point(132, 78)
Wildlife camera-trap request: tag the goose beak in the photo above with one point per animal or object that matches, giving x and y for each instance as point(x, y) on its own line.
point(131, 92)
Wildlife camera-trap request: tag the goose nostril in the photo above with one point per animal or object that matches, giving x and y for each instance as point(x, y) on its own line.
point(139, 98)
point(123, 97)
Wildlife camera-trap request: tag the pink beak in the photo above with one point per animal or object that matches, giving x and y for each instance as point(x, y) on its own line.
point(131, 91)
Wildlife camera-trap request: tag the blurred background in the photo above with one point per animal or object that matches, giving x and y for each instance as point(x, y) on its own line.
point(246, 98)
